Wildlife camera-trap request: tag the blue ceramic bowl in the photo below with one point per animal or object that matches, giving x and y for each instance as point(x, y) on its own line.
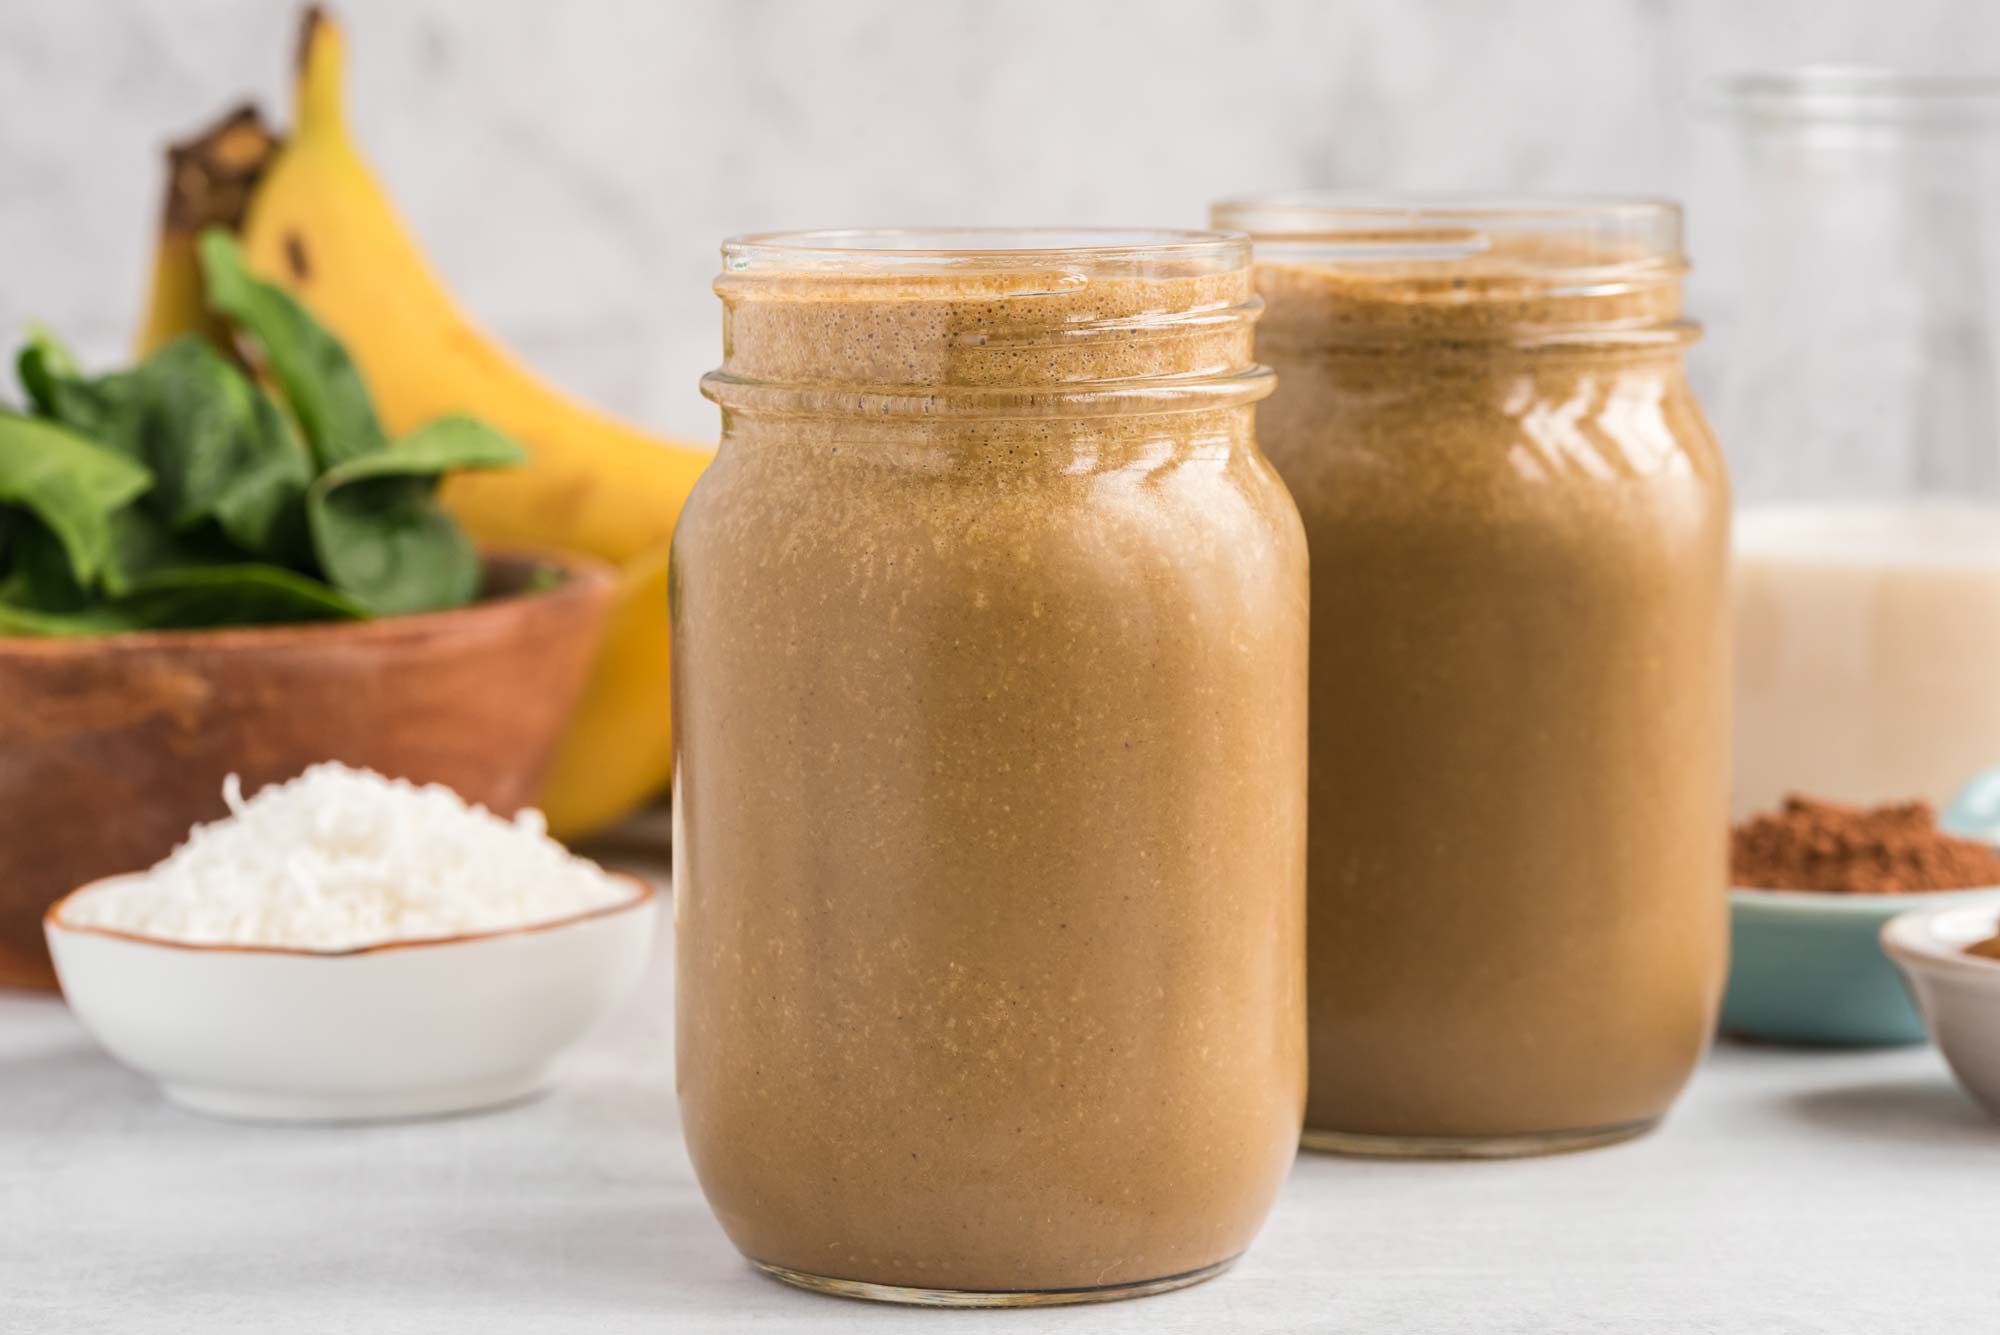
point(1807, 967)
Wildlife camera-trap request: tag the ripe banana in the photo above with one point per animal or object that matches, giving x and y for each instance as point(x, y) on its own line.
point(209, 180)
point(318, 222)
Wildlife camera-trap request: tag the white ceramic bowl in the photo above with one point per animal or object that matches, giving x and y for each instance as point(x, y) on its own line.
point(1959, 994)
point(405, 1029)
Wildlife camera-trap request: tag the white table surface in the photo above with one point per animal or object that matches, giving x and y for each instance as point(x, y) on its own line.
point(1790, 1192)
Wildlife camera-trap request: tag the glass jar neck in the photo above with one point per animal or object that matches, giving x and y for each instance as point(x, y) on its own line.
point(1068, 445)
point(1028, 331)
point(1865, 351)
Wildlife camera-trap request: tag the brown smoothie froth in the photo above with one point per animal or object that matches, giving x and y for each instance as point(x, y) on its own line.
point(1518, 524)
point(989, 630)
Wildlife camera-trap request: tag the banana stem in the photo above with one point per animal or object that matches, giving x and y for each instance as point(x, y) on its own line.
point(316, 98)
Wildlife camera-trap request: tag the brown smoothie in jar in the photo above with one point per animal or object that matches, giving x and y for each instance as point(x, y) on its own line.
point(1519, 531)
point(990, 708)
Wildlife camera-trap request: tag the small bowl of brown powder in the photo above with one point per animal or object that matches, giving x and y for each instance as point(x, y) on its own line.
point(1814, 883)
point(1951, 960)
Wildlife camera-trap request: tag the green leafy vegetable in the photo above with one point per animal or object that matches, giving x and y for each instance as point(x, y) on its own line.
point(143, 545)
point(222, 451)
point(218, 448)
point(40, 576)
point(380, 534)
point(235, 595)
point(57, 390)
point(68, 484)
point(102, 619)
point(178, 493)
point(43, 364)
point(321, 384)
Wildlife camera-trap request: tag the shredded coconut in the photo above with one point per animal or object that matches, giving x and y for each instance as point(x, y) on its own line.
point(339, 858)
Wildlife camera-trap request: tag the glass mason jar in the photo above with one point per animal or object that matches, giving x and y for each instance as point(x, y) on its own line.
point(1861, 400)
point(989, 628)
point(1519, 529)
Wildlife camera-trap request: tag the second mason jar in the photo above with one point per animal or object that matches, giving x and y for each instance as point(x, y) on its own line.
point(989, 627)
point(1519, 530)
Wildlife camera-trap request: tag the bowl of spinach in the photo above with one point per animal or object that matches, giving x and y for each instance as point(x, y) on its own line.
point(217, 561)
point(184, 492)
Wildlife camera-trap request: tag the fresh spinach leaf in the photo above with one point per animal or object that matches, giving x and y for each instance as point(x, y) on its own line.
point(57, 390)
point(219, 448)
point(101, 619)
point(379, 532)
point(434, 449)
point(223, 595)
point(38, 573)
point(143, 546)
point(235, 595)
point(70, 485)
point(222, 451)
point(43, 364)
point(321, 384)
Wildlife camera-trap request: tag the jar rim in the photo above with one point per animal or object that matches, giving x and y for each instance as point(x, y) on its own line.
point(1340, 227)
point(869, 251)
point(1546, 272)
point(1854, 94)
point(986, 321)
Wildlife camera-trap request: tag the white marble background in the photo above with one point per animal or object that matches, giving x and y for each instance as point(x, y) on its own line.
point(572, 165)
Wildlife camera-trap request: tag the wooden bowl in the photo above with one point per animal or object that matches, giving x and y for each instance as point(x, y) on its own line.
point(111, 747)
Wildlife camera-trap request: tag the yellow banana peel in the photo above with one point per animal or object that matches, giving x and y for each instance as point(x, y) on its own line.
point(209, 180)
point(318, 222)
point(618, 750)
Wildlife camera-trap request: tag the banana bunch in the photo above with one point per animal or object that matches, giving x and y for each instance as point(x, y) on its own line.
point(312, 217)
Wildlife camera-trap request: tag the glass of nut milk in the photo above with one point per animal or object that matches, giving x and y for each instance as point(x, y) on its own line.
point(1861, 406)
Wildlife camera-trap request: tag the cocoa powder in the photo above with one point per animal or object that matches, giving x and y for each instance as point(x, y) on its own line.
point(1887, 850)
